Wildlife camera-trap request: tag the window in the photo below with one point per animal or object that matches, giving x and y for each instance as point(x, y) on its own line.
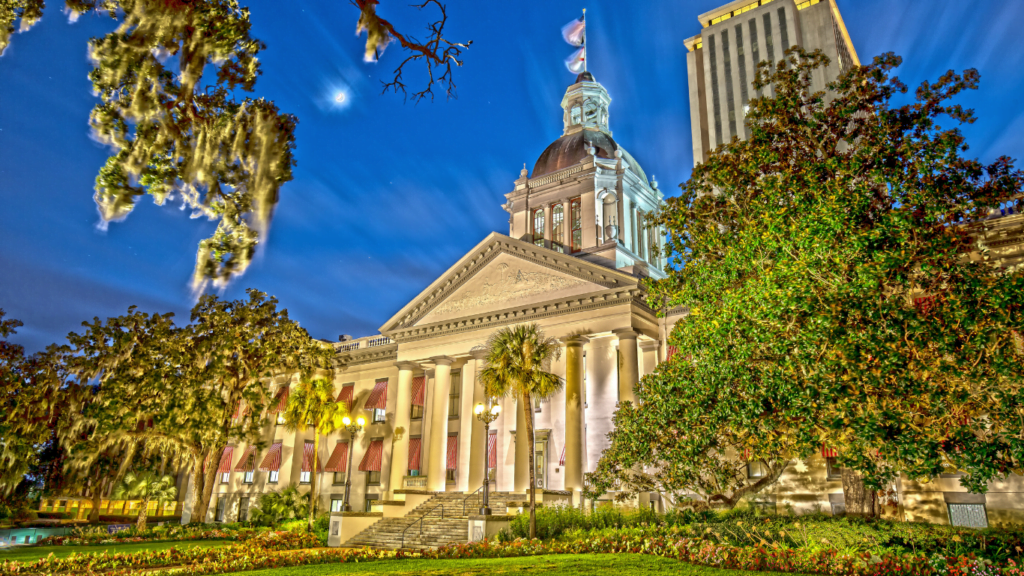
point(371, 499)
point(768, 37)
point(576, 221)
point(755, 53)
point(640, 235)
point(280, 418)
point(304, 477)
point(453, 395)
point(247, 479)
point(538, 226)
point(715, 102)
point(968, 515)
point(783, 30)
point(222, 505)
point(243, 509)
point(834, 472)
point(337, 504)
point(373, 477)
point(742, 63)
point(273, 477)
point(417, 412)
point(449, 476)
point(339, 478)
point(379, 415)
point(225, 477)
point(756, 469)
point(730, 104)
point(557, 232)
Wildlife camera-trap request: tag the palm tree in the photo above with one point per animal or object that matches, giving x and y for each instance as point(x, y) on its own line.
point(515, 367)
point(312, 404)
point(145, 486)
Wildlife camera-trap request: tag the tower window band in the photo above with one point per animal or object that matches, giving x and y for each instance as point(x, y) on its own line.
point(557, 230)
point(576, 221)
point(538, 226)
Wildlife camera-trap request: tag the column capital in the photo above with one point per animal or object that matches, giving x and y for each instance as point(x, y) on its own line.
point(429, 373)
point(574, 340)
point(442, 360)
point(478, 353)
point(407, 365)
point(626, 333)
point(649, 345)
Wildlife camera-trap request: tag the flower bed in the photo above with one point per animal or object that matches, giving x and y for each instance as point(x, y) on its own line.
point(263, 545)
point(281, 549)
point(100, 535)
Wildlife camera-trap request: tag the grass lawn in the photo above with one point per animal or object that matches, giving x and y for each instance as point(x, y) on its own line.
point(28, 553)
point(553, 565)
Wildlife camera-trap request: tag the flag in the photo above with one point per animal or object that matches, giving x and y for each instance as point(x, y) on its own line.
point(574, 32)
point(578, 61)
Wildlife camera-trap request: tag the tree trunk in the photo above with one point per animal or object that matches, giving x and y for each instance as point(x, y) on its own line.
point(202, 487)
point(528, 406)
point(97, 500)
point(140, 525)
point(312, 480)
point(860, 500)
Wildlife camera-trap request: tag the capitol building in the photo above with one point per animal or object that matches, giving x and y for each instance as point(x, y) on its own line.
point(571, 261)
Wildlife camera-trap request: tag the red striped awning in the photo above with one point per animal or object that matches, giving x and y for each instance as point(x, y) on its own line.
point(225, 459)
point(238, 411)
point(379, 397)
point(372, 459)
point(415, 447)
point(829, 452)
point(272, 461)
point(746, 453)
point(561, 460)
point(280, 401)
point(346, 395)
point(339, 458)
point(308, 456)
point(419, 390)
point(247, 463)
point(492, 450)
point(672, 352)
point(453, 452)
point(925, 304)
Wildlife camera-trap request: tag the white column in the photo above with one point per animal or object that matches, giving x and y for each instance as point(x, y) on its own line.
point(466, 420)
point(476, 445)
point(649, 349)
point(438, 440)
point(574, 415)
point(400, 446)
point(522, 466)
point(629, 369)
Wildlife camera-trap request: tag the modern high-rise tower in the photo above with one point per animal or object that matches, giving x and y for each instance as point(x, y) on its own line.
point(722, 59)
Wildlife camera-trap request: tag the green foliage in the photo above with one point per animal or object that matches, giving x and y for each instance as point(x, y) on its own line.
point(515, 366)
point(553, 522)
point(312, 405)
point(279, 505)
point(799, 254)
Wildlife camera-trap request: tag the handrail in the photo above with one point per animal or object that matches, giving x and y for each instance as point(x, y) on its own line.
point(466, 499)
point(441, 506)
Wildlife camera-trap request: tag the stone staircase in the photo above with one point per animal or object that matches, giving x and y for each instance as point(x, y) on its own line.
point(424, 527)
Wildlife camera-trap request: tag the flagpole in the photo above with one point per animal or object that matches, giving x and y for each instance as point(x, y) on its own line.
point(585, 55)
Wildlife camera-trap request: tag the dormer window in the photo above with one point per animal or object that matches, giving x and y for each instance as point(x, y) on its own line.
point(574, 115)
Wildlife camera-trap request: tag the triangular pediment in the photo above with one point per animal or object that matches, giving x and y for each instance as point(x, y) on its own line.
point(502, 272)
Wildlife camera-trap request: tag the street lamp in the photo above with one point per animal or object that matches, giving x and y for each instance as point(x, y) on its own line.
point(353, 430)
point(487, 415)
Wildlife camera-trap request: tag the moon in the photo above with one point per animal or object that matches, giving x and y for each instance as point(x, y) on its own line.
point(340, 97)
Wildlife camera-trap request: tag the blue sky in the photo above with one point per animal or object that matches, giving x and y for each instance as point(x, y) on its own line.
point(387, 195)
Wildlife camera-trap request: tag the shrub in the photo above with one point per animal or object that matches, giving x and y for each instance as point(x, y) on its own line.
point(277, 506)
point(25, 515)
point(554, 521)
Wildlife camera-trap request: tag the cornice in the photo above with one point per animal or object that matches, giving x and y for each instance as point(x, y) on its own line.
point(564, 264)
point(605, 299)
point(368, 355)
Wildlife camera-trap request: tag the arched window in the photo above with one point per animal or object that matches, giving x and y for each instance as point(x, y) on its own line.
point(640, 235)
point(557, 231)
point(538, 226)
point(576, 221)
